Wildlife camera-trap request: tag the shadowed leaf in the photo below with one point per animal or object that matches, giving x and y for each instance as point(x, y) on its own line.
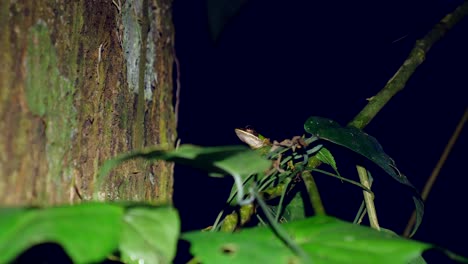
point(366, 145)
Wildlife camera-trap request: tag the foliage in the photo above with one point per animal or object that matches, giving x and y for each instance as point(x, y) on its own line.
point(92, 232)
point(325, 239)
point(366, 145)
point(136, 233)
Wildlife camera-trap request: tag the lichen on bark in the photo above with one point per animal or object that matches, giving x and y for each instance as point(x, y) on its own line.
point(66, 105)
point(54, 104)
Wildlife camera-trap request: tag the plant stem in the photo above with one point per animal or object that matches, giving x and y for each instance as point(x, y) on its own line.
point(415, 58)
point(314, 194)
point(368, 198)
point(399, 79)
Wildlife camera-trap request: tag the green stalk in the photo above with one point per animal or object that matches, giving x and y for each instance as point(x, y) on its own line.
point(314, 194)
point(368, 198)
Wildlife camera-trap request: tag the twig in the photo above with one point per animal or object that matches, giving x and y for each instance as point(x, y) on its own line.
point(118, 5)
point(416, 57)
point(368, 198)
point(362, 209)
point(398, 81)
point(437, 168)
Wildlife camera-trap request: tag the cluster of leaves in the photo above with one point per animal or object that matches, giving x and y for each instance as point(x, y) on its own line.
point(135, 233)
point(292, 162)
point(91, 232)
point(143, 234)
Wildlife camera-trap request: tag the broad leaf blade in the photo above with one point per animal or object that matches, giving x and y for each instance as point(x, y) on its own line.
point(234, 160)
point(356, 140)
point(366, 145)
point(149, 235)
point(88, 232)
point(417, 260)
point(93, 231)
point(324, 239)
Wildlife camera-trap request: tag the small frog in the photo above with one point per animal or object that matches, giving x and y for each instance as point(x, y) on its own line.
point(255, 140)
point(264, 146)
point(249, 136)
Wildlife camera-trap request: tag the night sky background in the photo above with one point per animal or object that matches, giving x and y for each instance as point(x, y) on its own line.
point(279, 62)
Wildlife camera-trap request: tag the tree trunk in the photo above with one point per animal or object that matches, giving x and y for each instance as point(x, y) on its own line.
point(80, 82)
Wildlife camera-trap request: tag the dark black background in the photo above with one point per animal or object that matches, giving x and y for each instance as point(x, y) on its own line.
point(279, 62)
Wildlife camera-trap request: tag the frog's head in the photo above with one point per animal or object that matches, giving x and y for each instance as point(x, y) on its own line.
point(249, 136)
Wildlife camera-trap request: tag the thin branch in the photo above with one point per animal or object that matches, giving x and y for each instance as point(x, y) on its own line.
point(436, 170)
point(398, 81)
point(416, 57)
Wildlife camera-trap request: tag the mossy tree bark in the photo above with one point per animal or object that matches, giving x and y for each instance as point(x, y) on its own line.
point(80, 82)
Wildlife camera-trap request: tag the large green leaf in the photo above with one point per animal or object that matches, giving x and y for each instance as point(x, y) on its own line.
point(87, 233)
point(238, 161)
point(417, 260)
point(228, 159)
point(366, 145)
point(324, 239)
point(93, 231)
point(149, 236)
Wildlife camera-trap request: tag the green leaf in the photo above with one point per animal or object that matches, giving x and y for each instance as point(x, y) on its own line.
point(149, 235)
point(238, 161)
point(325, 239)
point(87, 232)
point(325, 156)
point(220, 12)
point(366, 145)
point(219, 160)
point(417, 260)
point(90, 232)
point(295, 209)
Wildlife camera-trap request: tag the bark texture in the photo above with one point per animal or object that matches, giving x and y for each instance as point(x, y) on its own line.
point(80, 82)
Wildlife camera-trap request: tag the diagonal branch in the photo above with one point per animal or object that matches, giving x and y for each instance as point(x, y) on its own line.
point(415, 58)
point(398, 81)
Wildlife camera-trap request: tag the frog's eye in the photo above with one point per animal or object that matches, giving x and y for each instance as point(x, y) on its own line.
point(250, 129)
